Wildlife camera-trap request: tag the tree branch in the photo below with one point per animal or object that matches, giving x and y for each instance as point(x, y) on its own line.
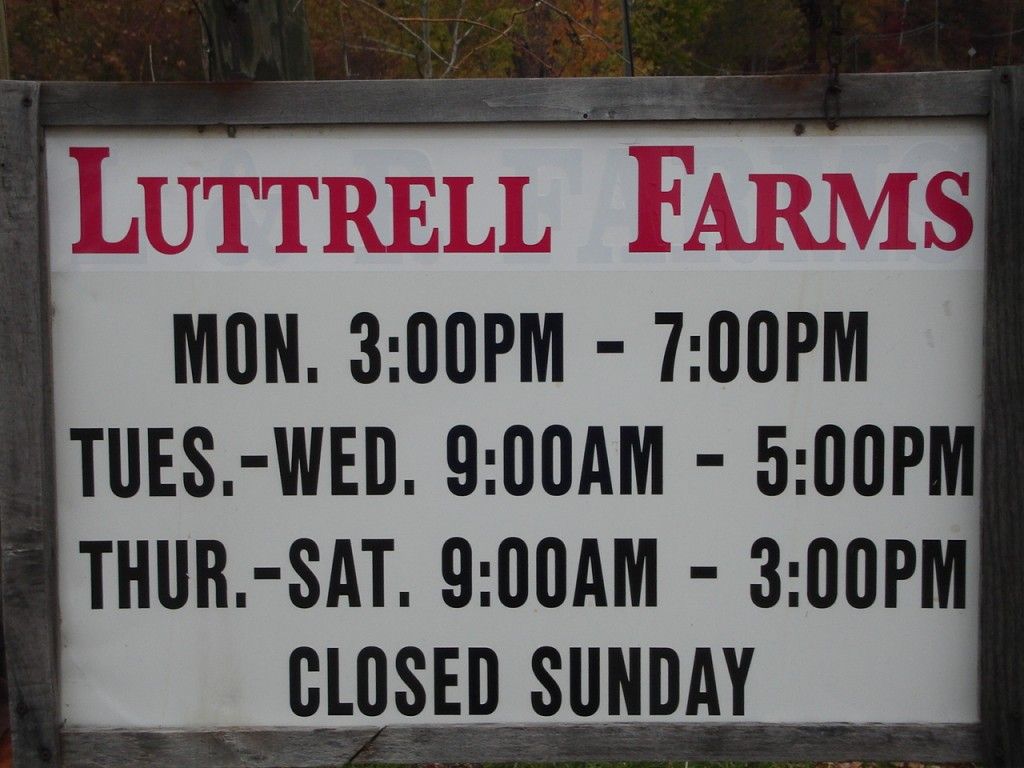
point(453, 63)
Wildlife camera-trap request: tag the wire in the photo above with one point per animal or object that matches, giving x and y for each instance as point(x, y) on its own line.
point(1011, 33)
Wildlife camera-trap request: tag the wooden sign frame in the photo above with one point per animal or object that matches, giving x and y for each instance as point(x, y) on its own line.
point(27, 497)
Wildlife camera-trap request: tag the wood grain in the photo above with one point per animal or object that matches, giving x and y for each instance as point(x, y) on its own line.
point(917, 94)
point(326, 748)
point(227, 748)
point(26, 463)
point(1002, 527)
point(26, 456)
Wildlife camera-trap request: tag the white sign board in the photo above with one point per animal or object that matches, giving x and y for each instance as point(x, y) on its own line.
point(518, 423)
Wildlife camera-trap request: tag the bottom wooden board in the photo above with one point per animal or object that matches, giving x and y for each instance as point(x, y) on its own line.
point(326, 748)
point(253, 748)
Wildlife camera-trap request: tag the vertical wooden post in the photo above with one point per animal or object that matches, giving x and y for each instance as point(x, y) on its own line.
point(1002, 537)
point(26, 430)
point(257, 40)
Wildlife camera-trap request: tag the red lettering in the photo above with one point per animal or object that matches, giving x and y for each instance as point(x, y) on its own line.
point(651, 197)
point(769, 212)
point(152, 187)
point(845, 195)
point(290, 186)
point(948, 210)
point(458, 234)
point(341, 216)
point(514, 240)
point(231, 205)
point(717, 203)
point(403, 213)
point(90, 196)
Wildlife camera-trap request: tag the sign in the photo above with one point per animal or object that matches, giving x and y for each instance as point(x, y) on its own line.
point(578, 422)
point(501, 425)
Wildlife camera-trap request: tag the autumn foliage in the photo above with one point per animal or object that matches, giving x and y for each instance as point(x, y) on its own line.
point(162, 40)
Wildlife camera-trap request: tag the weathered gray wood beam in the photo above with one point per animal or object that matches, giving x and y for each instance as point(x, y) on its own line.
point(1002, 492)
point(919, 94)
point(330, 748)
point(26, 436)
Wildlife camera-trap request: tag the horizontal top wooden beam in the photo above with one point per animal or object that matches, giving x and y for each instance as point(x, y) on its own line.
point(917, 94)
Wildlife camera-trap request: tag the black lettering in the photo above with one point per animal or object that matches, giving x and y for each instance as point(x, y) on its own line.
point(551, 585)
point(158, 461)
point(667, 659)
point(623, 681)
point(543, 658)
point(595, 468)
point(723, 346)
point(339, 460)
point(895, 550)
point(942, 570)
point(344, 581)
point(300, 464)
point(905, 455)
point(763, 323)
point(738, 671)
point(556, 482)
point(413, 702)
point(87, 437)
point(380, 441)
point(211, 559)
point(195, 339)
point(421, 371)
point(96, 550)
point(590, 576)
point(856, 550)
point(499, 338)
point(301, 551)
point(846, 341)
point(862, 461)
point(636, 566)
point(335, 706)
point(121, 488)
point(640, 459)
point(309, 707)
point(377, 548)
point(443, 680)
point(460, 321)
point(127, 574)
point(242, 368)
point(949, 454)
point(179, 596)
point(703, 689)
point(801, 338)
point(201, 437)
point(282, 346)
point(579, 706)
point(483, 665)
point(372, 661)
point(541, 345)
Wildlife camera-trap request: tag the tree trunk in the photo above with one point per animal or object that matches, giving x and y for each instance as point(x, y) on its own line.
point(5, 54)
point(256, 40)
point(813, 15)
